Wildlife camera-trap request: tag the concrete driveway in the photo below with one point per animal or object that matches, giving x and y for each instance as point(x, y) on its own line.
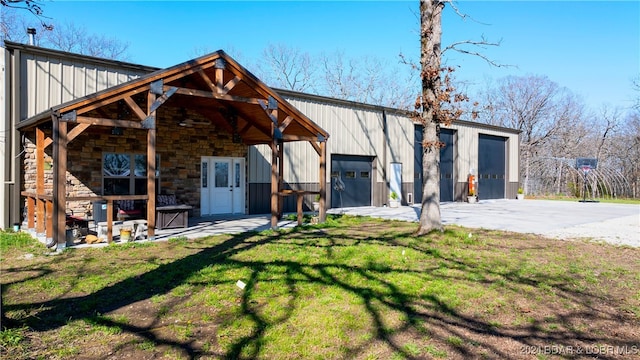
point(613, 223)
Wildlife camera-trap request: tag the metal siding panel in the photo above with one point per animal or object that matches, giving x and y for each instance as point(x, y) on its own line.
point(68, 82)
point(123, 78)
point(55, 84)
point(29, 94)
point(355, 131)
point(111, 78)
point(43, 80)
point(90, 82)
point(302, 163)
point(400, 146)
point(467, 152)
point(27, 78)
point(101, 79)
point(260, 164)
point(80, 81)
point(47, 81)
point(360, 127)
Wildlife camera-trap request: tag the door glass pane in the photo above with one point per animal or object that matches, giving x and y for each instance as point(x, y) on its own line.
point(237, 177)
point(205, 174)
point(116, 165)
point(222, 174)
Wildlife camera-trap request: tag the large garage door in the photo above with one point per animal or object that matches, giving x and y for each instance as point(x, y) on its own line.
point(491, 167)
point(446, 164)
point(350, 180)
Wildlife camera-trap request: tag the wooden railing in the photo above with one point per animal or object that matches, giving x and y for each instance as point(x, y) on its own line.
point(40, 210)
point(300, 197)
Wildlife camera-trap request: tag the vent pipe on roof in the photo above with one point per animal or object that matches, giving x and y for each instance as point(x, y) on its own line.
point(32, 33)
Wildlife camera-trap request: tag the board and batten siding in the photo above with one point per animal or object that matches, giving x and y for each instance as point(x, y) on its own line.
point(51, 81)
point(467, 150)
point(359, 129)
point(400, 144)
point(353, 131)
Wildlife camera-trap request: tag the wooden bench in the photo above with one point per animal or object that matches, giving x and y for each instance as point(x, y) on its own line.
point(128, 209)
point(169, 214)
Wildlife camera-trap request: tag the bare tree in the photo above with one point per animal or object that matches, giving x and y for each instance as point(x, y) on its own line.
point(626, 145)
point(535, 105)
point(339, 75)
point(369, 80)
point(205, 49)
point(287, 68)
point(73, 38)
point(605, 125)
point(12, 26)
point(635, 85)
point(32, 6)
point(66, 37)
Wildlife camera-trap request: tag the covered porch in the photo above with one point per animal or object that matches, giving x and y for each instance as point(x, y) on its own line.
point(152, 132)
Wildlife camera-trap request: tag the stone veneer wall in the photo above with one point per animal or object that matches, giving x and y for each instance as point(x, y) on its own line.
point(179, 149)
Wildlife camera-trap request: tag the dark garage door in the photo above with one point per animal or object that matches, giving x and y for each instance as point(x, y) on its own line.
point(446, 164)
point(355, 172)
point(491, 167)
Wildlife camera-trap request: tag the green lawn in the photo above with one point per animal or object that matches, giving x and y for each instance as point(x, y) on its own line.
point(351, 288)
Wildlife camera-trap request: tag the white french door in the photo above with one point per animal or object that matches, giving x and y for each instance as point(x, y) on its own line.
point(222, 186)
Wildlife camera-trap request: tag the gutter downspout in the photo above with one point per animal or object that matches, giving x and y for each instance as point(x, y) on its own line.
point(385, 141)
point(5, 142)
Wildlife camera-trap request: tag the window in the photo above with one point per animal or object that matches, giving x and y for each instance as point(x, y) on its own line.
point(205, 171)
point(350, 174)
point(237, 173)
point(126, 174)
point(364, 174)
point(222, 175)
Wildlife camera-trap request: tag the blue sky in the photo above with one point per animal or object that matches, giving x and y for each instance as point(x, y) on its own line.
point(590, 47)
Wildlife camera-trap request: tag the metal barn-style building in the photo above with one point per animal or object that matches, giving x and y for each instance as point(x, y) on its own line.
point(129, 130)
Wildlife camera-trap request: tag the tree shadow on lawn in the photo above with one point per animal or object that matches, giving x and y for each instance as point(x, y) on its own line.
point(417, 316)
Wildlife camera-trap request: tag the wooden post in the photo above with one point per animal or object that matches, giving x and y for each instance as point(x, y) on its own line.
point(323, 181)
point(300, 197)
point(31, 208)
point(274, 184)
point(49, 217)
point(280, 179)
point(109, 220)
point(40, 221)
point(59, 179)
point(151, 169)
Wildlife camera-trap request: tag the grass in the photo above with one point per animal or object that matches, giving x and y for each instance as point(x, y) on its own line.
point(353, 287)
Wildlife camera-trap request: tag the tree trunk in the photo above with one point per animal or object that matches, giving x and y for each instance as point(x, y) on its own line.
point(430, 52)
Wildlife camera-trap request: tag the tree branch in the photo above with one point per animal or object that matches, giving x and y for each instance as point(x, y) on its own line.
point(30, 5)
point(483, 44)
point(462, 15)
